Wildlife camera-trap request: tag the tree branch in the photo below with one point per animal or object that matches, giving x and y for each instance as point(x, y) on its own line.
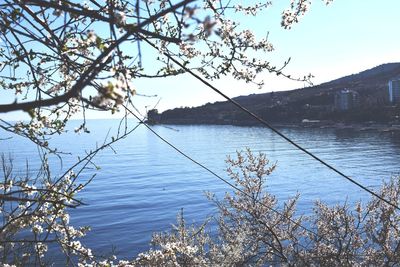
point(95, 67)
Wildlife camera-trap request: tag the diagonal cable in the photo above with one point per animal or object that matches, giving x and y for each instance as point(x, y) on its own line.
point(218, 176)
point(315, 234)
point(266, 124)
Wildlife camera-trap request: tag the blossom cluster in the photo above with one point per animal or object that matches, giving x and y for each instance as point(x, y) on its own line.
point(35, 216)
point(297, 9)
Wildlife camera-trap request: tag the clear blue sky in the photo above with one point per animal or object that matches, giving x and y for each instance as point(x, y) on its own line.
point(346, 37)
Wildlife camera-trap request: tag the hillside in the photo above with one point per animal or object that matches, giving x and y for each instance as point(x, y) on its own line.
point(312, 103)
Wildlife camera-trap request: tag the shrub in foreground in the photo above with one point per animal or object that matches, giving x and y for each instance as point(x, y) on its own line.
point(253, 230)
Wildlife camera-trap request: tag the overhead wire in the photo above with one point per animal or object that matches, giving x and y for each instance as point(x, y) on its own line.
point(216, 175)
point(316, 235)
point(266, 124)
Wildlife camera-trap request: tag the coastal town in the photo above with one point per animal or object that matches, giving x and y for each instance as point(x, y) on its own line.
point(366, 101)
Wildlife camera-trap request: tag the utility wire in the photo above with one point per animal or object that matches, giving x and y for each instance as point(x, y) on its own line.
point(316, 235)
point(218, 176)
point(263, 122)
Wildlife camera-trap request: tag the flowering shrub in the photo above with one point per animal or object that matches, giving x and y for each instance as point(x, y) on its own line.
point(253, 230)
point(34, 216)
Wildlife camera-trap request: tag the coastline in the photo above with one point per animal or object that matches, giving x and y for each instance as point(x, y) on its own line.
point(360, 127)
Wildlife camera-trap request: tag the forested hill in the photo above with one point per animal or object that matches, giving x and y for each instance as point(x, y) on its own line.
point(312, 103)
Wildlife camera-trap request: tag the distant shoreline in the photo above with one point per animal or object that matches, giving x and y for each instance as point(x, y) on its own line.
point(361, 102)
point(361, 127)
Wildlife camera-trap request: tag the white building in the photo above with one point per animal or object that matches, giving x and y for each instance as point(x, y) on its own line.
point(394, 91)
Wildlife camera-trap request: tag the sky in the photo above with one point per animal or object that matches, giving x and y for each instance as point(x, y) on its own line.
point(345, 37)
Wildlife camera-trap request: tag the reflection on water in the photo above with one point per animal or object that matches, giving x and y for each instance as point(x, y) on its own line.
point(142, 186)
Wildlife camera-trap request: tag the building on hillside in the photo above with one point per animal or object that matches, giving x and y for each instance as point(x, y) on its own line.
point(394, 91)
point(346, 99)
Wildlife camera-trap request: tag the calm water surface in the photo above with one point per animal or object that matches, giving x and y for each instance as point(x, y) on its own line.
point(143, 184)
